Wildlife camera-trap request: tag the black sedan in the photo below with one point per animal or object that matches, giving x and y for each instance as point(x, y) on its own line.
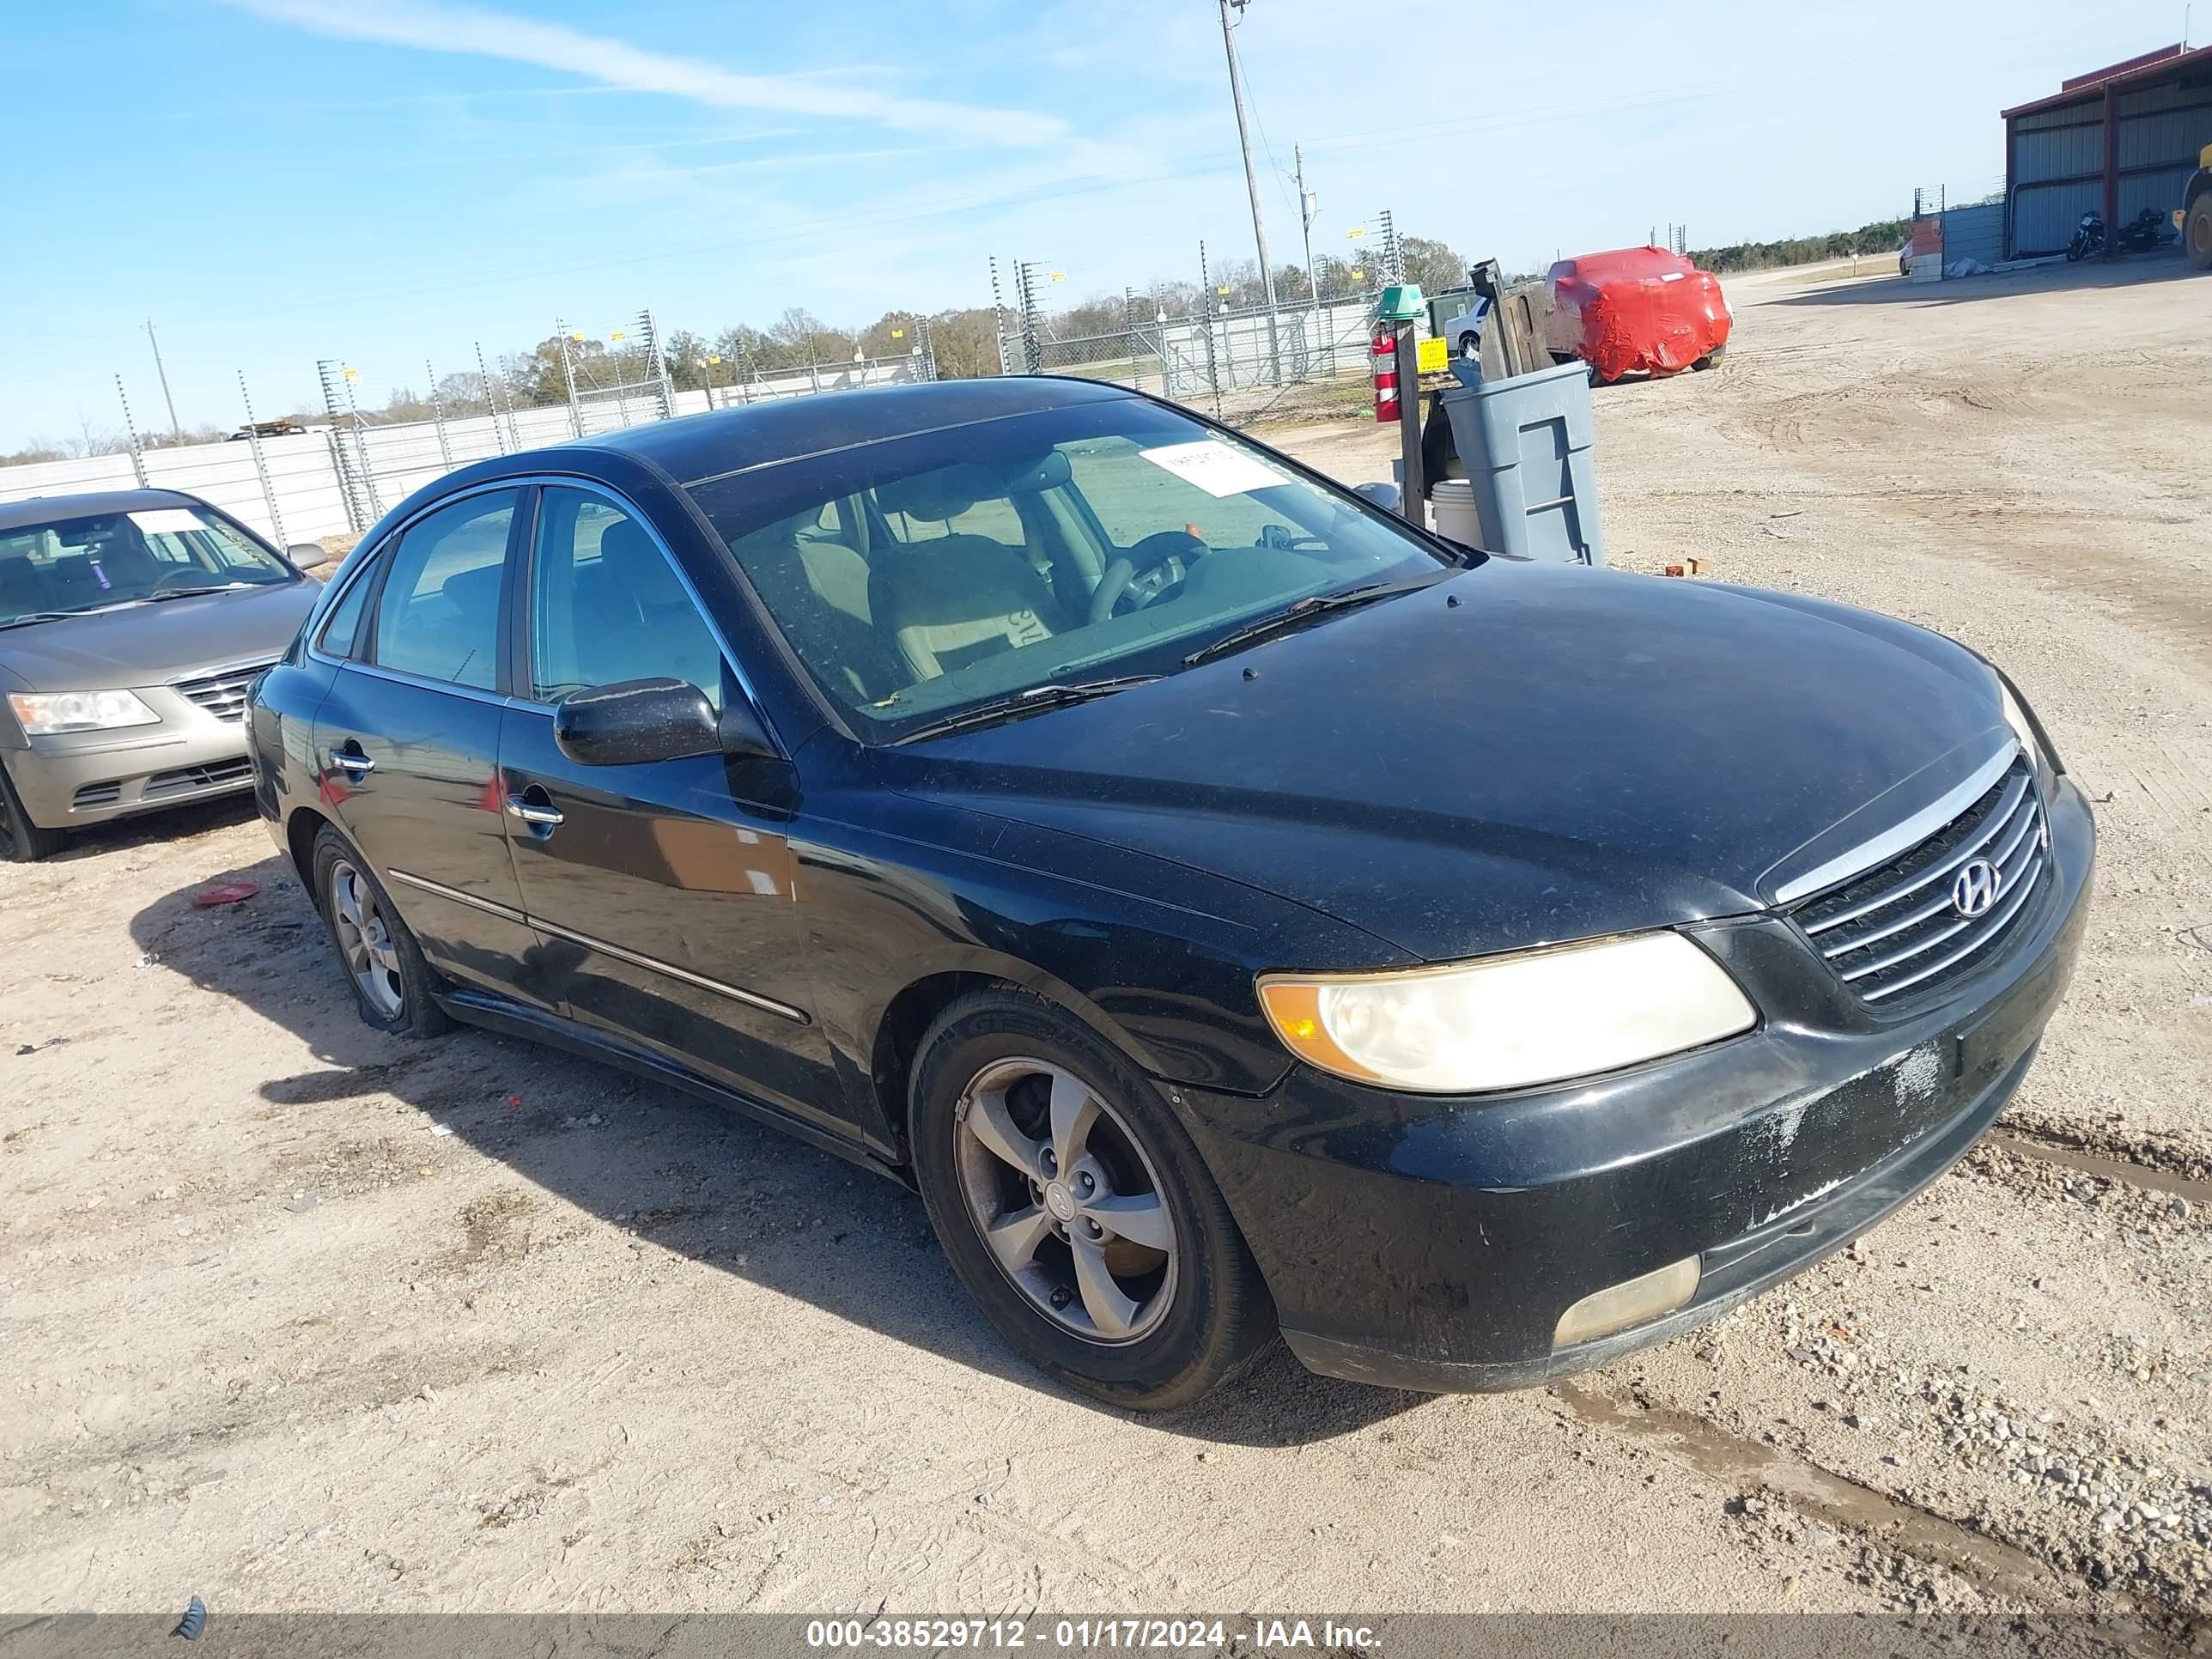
point(1233, 909)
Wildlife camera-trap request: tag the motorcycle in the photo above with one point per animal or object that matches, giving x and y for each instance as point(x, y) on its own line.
point(2148, 230)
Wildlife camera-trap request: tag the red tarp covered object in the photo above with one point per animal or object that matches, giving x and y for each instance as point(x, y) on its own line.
point(1636, 308)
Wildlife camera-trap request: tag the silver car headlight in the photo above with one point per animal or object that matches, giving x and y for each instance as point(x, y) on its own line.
point(1510, 1021)
point(42, 714)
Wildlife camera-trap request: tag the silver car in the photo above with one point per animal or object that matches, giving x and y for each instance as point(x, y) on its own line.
point(131, 624)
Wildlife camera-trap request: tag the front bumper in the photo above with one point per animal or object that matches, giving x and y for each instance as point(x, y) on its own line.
point(1422, 1243)
point(101, 775)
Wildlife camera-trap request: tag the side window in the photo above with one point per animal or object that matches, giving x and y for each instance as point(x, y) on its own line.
point(343, 627)
point(438, 615)
point(605, 604)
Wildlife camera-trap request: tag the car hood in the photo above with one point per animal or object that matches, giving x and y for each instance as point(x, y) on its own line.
point(1517, 755)
point(147, 644)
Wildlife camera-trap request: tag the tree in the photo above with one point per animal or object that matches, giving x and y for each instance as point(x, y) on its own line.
point(462, 394)
point(1334, 277)
point(745, 350)
point(1434, 265)
point(403, 405)
point(686, 354)
point(536, 380)
point(965, 343)
point(894, 334)
point(1883, 236)
point(807, 339)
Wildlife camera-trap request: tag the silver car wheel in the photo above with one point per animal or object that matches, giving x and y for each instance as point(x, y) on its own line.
point(1066, 1200)
point(365, 940)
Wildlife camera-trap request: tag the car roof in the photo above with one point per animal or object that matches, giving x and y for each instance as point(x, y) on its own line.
point(46, 510)
point(697, 447)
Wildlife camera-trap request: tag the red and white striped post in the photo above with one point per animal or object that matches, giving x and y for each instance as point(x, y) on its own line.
point(1383, 348)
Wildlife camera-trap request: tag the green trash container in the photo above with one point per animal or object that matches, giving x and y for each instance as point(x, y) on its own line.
point(1525, 444)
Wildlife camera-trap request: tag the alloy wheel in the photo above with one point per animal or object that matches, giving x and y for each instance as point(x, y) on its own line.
point(1066, 1200)
point(365, 940)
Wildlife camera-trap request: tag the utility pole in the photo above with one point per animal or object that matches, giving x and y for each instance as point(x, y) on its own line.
point(176, 432)
point(1251, 181)
point(1306, 200)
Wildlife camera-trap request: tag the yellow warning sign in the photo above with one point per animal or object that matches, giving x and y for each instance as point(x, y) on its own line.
point(1431, 356)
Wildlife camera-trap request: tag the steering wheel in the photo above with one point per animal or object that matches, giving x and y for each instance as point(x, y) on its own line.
point(1146, 571)
point(175, 578)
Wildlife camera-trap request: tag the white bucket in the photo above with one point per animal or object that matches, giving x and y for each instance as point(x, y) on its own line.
point(1451, 504)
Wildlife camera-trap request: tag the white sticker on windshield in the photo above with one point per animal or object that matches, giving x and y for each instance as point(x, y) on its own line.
point(1214, 467)
point(167, 520)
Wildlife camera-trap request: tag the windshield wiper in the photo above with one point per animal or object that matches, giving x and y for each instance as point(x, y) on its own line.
point(1017, 704)
point(190, 592)
point(1314, 604)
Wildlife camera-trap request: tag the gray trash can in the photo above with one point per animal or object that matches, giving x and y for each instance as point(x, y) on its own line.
point(1525, 446)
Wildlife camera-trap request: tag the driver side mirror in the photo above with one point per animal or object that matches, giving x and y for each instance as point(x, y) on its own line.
point(637, 721)
point(308, 556)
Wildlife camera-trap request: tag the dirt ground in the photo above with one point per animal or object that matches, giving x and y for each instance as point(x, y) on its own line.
point(299, 1317)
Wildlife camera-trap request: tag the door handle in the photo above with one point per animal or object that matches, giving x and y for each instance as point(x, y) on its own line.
point(535, 808)
point(352, 762)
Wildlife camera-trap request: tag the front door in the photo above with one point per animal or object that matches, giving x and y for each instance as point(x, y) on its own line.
point(664, 890)
point(407, 744)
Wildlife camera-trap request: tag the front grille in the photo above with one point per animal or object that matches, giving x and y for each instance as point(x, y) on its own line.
point(1895, 929)
point(186, 779)
point(97, 794)
point(223, 695)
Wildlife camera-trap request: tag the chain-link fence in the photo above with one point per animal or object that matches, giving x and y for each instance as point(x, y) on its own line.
point(331, 478)
point(1201, 360)
point(333, 474)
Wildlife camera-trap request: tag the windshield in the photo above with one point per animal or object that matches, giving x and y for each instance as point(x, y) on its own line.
point(920, 576)
point(73, 565)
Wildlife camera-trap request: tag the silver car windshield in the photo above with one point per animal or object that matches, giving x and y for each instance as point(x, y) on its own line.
point(919, 576)
point(91, 563)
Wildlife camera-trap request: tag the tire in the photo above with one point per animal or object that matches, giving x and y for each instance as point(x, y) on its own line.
point(1712, 359)
point(2197, 232)
point(382, 961)
point(22, 841)
point(2076, 249)
point(1146, 1327)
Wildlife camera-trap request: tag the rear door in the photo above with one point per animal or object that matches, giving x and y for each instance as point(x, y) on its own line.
point(664, 890)
point(407, 742)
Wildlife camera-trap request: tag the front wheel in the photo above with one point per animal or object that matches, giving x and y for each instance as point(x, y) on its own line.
point(2076, 249)
point(384, 965)
point(1076, 1211)
point(22, 841)
point(2197, 232)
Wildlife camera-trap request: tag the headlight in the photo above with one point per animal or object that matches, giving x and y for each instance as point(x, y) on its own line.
point(2022, 728)
point(41, 714)
point(1508, 1022)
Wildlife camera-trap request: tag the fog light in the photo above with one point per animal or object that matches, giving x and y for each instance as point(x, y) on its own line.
point(1632, 1301)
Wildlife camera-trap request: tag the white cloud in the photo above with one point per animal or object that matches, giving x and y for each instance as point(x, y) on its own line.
point(622, 67)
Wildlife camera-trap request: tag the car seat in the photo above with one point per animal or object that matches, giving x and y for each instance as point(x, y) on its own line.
point(954, 599)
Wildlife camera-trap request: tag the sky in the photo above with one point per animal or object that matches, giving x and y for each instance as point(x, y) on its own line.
point(390, 182)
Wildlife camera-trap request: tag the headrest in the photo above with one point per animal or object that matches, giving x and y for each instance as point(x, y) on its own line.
point(1048, 471)
point(476, 591)
point(625, 549)
point(934, 496)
